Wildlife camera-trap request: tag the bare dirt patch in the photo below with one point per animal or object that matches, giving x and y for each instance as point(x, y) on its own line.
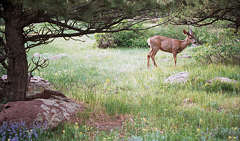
point(100, 120)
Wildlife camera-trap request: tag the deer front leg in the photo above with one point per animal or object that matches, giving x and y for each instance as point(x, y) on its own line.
point(175, 58)
point(148, 57)
point(153, 56)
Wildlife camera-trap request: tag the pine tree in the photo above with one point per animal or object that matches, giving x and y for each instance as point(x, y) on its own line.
point(206, 12)
point(29, 23)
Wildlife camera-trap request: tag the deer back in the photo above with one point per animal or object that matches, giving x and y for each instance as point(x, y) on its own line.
point(164, 43)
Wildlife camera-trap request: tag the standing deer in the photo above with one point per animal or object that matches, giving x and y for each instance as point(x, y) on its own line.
point(170, 45)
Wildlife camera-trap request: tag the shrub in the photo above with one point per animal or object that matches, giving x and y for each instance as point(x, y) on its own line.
point(131, 39)
point(219, 46)
point(105, 40)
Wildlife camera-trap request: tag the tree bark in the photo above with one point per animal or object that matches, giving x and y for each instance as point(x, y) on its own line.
point(17, 60)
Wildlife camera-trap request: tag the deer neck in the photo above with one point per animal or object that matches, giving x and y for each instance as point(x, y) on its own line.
point(185, 43)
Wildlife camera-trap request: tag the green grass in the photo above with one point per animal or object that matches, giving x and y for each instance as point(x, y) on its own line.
point(117, 81)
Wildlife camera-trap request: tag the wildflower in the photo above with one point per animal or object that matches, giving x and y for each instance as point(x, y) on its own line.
point(198, 130)
point(107, 81)
point(63, 131)
point(200, 120)
point(229, 137)
point(234, 138)
point(144, 120)
point(235, 128)
point(76, 125)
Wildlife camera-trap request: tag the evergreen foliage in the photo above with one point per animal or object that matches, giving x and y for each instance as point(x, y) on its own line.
point(206, 12)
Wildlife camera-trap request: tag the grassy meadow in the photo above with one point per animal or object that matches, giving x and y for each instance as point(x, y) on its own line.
point(115, 83)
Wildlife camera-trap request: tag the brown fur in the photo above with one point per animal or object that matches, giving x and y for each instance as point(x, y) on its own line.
point(170, 45)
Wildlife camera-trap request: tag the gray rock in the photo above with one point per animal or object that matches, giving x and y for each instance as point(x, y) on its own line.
point(222, 79)
point(37, 85)
point(50, 57)
point(58, 56)
point(185, 56)
point(36, 54)
point(180, 77)
point(56, 111)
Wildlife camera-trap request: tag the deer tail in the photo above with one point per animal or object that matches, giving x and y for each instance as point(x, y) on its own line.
point(148, 41)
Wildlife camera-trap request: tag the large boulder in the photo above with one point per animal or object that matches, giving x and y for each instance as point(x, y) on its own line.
point(180, 77)
point(42, 105)
point(52, 108)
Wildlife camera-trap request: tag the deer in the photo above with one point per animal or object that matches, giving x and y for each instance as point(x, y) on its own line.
point(170, 45)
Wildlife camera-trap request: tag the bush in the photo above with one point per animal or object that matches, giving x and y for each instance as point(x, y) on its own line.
point(105, 40)
point(219, 46)
point(130, 39)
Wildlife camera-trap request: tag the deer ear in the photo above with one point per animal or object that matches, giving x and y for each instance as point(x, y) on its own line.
point(184, 31)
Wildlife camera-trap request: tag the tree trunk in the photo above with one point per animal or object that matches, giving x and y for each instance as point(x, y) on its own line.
point(17, 60)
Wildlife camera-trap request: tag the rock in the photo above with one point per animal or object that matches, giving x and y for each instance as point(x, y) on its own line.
point(36, 54)
point(36, 85)
point(222, 80)
point(43, 105)
point(185, 56)
point(48, 56)
point(53, 111)
point(178, 78)
point(58, 56)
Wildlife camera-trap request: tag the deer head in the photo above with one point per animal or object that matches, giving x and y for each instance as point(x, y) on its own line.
point(190, 36)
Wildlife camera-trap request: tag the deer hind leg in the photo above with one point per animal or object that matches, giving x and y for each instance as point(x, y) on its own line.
point(175, 58)
point(154, 52)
